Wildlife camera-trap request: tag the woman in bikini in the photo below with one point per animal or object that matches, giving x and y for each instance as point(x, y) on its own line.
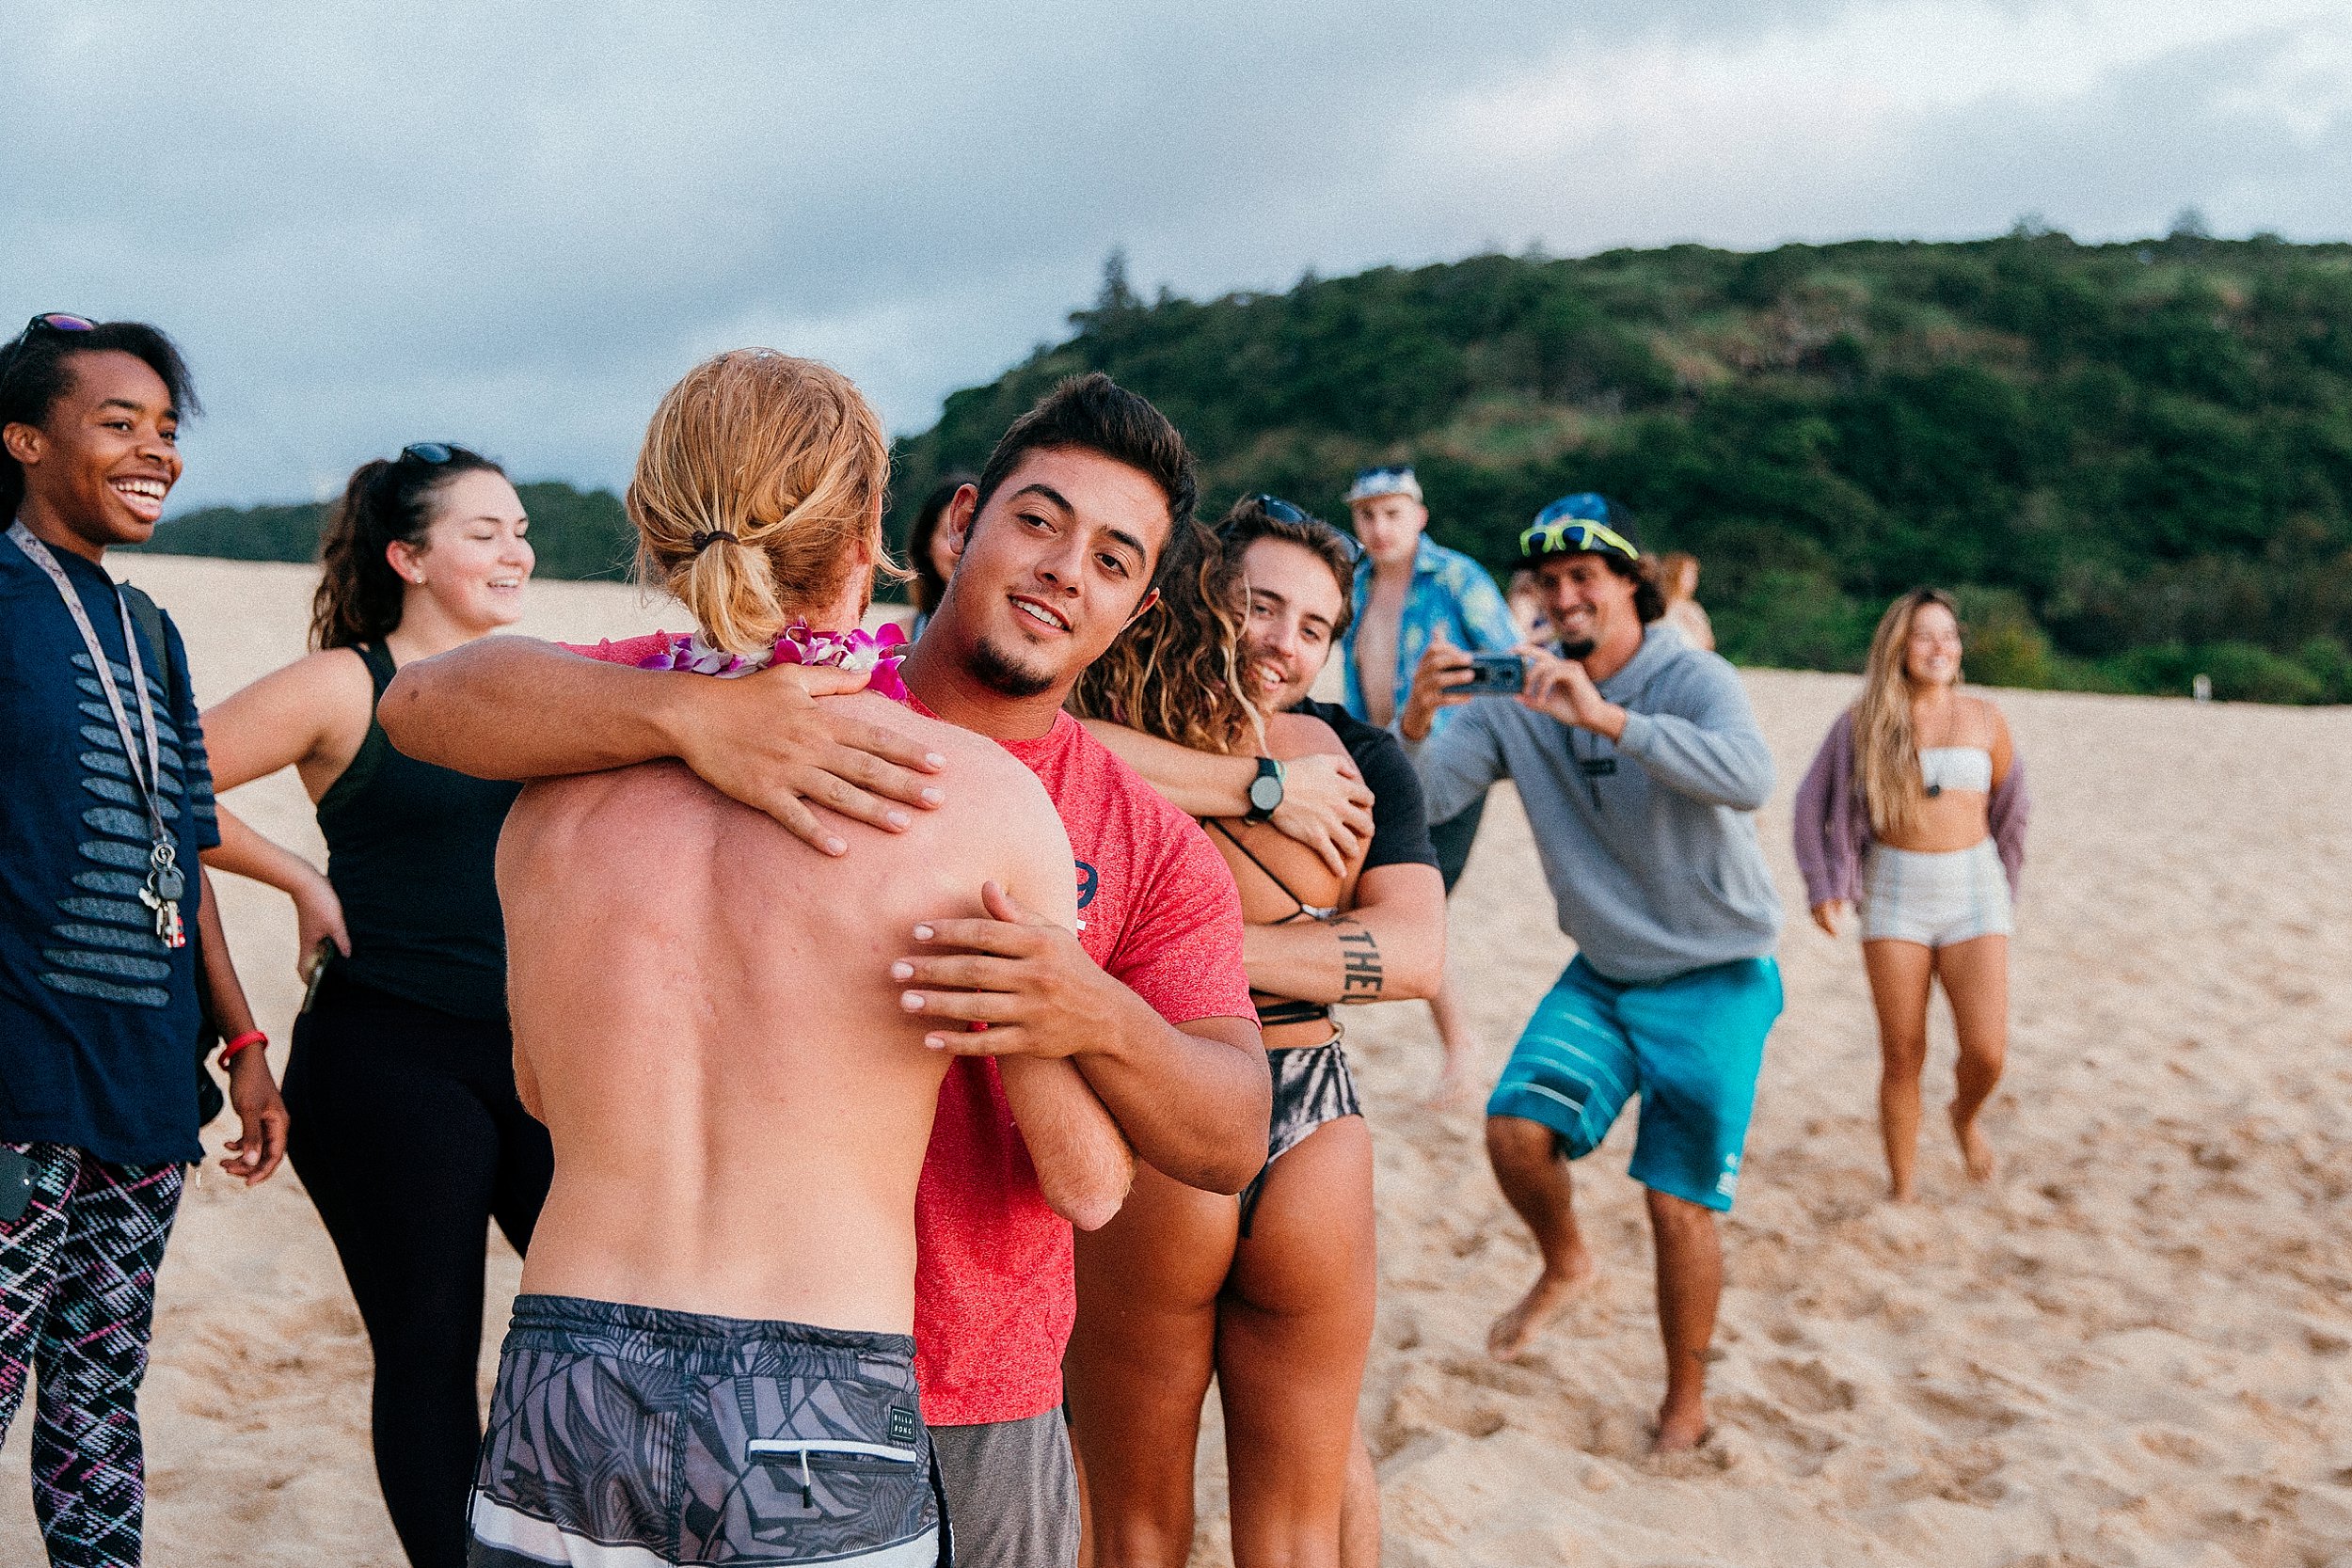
point(1915, 809)
point(1272, 1294)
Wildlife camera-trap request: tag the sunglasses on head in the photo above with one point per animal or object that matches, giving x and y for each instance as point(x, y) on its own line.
point(1555, 534)
point(435, 453)
point(48, 320)
point(1296, 516)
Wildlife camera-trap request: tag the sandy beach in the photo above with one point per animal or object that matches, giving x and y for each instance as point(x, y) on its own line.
point(2134, 1347)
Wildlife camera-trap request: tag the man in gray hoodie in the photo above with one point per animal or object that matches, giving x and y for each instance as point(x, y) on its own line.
point(1641, 768)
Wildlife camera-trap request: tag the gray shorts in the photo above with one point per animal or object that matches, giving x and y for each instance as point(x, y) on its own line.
point(634, 1438)
point(1012, 1492)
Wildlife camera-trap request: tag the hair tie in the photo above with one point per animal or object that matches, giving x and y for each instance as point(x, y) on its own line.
point(704, 538)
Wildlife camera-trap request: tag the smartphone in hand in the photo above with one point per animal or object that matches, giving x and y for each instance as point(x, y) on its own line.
point(1496, 675)
point(314, 973)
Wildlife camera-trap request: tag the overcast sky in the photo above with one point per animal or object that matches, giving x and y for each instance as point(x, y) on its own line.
point(514, 227)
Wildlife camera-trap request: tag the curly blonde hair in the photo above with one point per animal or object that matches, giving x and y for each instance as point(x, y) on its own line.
point(760, 476)
point(1176, 674)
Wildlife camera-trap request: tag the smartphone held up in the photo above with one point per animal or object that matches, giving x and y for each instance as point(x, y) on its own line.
point(1495, 675)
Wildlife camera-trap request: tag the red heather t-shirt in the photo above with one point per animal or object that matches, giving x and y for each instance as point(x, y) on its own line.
point(996, 1279)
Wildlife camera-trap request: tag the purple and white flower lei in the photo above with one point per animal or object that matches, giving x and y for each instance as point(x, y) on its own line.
point(879, 652)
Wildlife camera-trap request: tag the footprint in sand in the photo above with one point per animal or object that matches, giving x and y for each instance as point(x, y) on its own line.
point(1807, 1387)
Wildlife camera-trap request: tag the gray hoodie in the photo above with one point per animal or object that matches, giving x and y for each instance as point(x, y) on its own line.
point(1664, 874)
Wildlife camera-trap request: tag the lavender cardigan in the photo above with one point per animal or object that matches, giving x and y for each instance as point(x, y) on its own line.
point(1832, 826)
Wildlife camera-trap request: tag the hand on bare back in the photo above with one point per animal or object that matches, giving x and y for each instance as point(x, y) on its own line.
point(1016, 972)
point(768, 741)
point(1326, 806)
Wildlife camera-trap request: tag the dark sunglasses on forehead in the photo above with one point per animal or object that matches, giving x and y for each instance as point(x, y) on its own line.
point(1284, 512)
point(48, 320)
point(434, 452)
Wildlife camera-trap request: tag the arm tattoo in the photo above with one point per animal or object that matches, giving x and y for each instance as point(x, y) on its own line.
point(1362, 980)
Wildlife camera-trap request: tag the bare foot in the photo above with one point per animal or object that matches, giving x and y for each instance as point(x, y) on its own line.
point(1680, 1426)
point(1976, 1150)
point(1545, 1299)
point(1900, 1192)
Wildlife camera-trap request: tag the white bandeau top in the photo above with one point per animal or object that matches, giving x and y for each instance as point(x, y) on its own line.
point(1944, 767)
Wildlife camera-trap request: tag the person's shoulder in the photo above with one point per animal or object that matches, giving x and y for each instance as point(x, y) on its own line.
point(973, 758)
point(1686, 660)
point(1456, 569)
point(1297, 733)
point(1111, 785)
point(1986, 713)
point(1354, 733)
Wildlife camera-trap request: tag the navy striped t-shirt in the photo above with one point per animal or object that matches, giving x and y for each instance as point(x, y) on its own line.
point(97, 1016)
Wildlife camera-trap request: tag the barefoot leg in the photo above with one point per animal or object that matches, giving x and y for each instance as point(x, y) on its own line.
point(1360, 1513)
point(1976, 982)
point(1900, 973)
point(1294, 1329)
point(1454, 1041)
point(1534, 1178)
point(1689, 1286)
point(1138, 1364)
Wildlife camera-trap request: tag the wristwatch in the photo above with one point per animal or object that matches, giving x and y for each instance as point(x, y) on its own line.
point(1265, 791)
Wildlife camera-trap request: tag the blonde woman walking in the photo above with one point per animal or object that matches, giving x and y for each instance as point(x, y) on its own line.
point(1915, 809)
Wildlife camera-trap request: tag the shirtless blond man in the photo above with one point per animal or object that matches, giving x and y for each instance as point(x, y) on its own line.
point(712, 1357)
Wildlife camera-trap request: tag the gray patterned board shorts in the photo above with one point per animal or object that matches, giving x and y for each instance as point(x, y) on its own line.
point(634, 1438)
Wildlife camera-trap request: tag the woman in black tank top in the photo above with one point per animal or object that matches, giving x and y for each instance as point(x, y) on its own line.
point(407, 1129)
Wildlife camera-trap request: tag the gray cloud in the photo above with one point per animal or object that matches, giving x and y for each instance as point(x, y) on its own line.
point(372, 223)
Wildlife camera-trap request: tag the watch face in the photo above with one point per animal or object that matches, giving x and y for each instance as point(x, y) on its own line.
point(1265, 792)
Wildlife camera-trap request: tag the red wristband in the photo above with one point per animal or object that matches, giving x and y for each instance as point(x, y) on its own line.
point(251, 1037)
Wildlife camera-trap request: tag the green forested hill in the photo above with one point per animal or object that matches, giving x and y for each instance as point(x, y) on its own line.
point(2134, 462)
point(576, 533)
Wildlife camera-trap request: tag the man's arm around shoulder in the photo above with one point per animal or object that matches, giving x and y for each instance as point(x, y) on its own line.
point(510, 708)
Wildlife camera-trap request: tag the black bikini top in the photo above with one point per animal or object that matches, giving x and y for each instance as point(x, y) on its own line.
point(1273, 1011)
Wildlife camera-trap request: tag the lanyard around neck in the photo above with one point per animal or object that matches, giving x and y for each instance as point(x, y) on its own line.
point(151, 781)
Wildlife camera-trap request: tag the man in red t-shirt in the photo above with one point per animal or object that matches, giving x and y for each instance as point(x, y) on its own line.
point(1059, 544)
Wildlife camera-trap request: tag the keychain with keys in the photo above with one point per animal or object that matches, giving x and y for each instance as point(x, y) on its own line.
point(166, 886)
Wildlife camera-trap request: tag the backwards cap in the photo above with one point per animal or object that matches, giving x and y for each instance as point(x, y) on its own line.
point(1586, 522)
point(1371, 483)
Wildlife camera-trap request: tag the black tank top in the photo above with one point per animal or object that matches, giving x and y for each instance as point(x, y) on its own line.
point(410, 850)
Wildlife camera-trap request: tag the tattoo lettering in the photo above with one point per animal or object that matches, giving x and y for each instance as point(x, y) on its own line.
point(1362, 981)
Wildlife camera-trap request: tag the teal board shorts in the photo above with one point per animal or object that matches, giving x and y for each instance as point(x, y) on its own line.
point(1690, 1046)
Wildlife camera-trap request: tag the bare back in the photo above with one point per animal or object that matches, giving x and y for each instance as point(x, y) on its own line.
point(704, 1019)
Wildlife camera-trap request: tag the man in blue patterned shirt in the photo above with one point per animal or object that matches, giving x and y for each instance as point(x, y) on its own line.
point(1411, 589)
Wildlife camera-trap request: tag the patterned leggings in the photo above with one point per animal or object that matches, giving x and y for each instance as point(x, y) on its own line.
point(77, 1297)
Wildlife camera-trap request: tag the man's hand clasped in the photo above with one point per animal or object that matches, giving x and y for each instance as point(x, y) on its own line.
point(1018, 972)
point(1326, 806)
point(766, 740)
point(1555, 685)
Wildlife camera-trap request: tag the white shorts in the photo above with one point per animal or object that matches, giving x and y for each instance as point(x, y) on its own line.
point(1939, 900)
